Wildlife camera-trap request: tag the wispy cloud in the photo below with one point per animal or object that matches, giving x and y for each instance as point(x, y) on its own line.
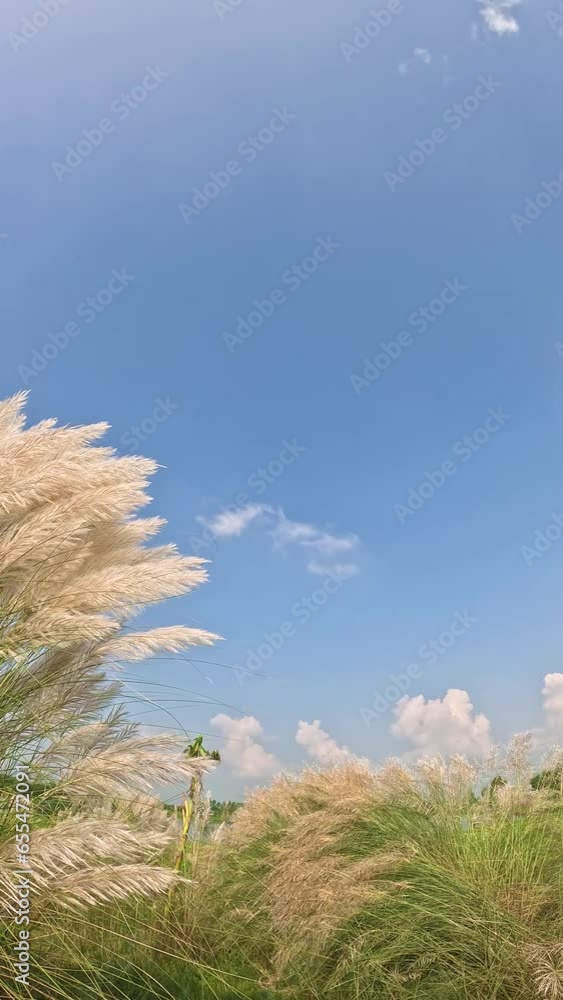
point(232, 523)
point(341, 569)
point(284, 532)
point(308, 536)
point(497, 17)
point(424, 55)
point(418, 56)
point(244, 753)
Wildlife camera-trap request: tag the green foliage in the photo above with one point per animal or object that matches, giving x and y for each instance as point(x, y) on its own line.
point(550, 780)
point(456, 917)
point(197, 749)
point(46, 806)
point(222, 812)
point(489, 790)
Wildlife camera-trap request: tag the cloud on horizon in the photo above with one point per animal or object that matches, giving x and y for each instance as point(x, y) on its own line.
point(442, 725)
point(319, 745)
point(552, 692)
point(244, 753)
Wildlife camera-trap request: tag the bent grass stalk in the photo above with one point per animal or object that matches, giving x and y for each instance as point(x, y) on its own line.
point(74, 570)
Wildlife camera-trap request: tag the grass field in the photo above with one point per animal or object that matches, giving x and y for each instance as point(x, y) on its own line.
point(344, 883)
point(437, 883)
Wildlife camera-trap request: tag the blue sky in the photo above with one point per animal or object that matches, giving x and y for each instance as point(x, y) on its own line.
point(352, 100)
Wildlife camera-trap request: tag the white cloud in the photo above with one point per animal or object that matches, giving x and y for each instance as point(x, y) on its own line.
point(424, 55)
point(319, 745)
point(496, 17)
point(283, 532)
point(418, 55)
point(243, 753)
point(445, 725)
point(231, 523)
point(553, 700)
point(308, 536)
point(341, 569)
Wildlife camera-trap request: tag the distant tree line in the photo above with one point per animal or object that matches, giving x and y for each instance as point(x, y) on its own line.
point(221, 812)
point(550, 780)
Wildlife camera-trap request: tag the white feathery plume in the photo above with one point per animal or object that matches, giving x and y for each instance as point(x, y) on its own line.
point(136, 762)
point(97, 886)
point(79, 841)
point(171, 639)
point(74, 566)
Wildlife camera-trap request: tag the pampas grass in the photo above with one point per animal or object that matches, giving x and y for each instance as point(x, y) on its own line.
point(393, 884)
point(75, 567)
point(430, 882)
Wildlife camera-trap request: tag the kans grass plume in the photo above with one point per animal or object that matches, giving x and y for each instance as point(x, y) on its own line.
point(75, 567)
point(437, 881)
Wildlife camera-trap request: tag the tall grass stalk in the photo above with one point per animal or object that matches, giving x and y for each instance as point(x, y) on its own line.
point(393, 884)
point(75, 568)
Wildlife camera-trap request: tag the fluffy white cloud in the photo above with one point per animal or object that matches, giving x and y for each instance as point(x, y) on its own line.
point(553, 700)
point(230, 523)
point(447, 724)
point(243, 752)
point(284, 532)
point(319, 745)
point(495, 14)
